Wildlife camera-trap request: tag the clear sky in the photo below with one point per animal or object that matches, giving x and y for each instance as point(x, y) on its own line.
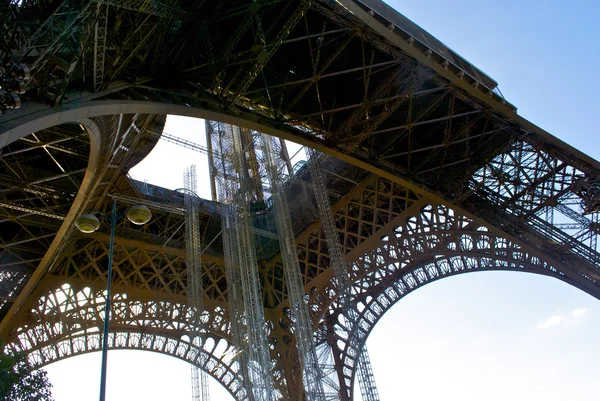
point(486, 336)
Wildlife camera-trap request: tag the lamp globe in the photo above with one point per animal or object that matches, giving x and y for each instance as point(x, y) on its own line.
point(139, 214)
point(87, 223)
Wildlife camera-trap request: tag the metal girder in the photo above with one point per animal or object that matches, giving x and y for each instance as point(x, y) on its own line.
point(319, 74)
point(525, 181)
point(312, 375)
point(42, 180)
point(238, 191)
point(141, 266)
point(163, 9)
point(341, 273)
point(18, 266)
point(269, 51)
point(99, 165)
point(30, 211)
point(100, 33)
point(23, 241)
point(514, 198)
point(35, 146)
point(144, 34)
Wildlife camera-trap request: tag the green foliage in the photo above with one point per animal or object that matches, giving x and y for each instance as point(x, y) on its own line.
point(18, 382)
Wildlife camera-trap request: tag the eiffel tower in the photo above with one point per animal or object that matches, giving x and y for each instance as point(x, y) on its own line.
point(427, 171)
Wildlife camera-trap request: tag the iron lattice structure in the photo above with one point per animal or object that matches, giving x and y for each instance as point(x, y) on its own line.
point(195, 288)
point(429, 171)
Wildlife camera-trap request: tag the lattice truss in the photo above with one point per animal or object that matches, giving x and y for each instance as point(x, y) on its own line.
point(72, 316)
point(334, 74)
point(41, 177)
point(341, 278)
point(239, 192)
point(294, 66)
point(422, 241)
point(75, 41)
point(195, 289)
point(312, 375)
point(546, 193)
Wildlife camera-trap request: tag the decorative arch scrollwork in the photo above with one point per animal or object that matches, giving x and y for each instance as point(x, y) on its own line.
point(66, 322)
point(434, 243)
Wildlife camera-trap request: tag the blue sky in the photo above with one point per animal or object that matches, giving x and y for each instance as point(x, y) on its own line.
point(542, 53)
point(487, 336)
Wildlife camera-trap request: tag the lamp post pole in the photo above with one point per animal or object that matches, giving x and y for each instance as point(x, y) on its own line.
point(113, 226)
point(88, 223)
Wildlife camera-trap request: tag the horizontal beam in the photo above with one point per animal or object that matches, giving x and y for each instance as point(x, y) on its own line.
point(24, 241)
point(18, 266)
point(33, 147)
point(30, 211)
point(42, 180)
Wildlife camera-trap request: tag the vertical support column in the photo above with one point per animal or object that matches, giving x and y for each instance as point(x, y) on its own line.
point(193, 248)
point(221, 166)
point(234, 294)
point(100, 27)
point(342, 279)
point(311, 372)
point(211, 164)
point(344, 394)
point(366, 378)
point(251, 165)
point(285, 155)
point(241, 255)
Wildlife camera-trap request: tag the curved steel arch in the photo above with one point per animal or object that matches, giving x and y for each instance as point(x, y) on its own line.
point(373, 308)
point(19, 126)
point(104, 149)
point(46, 117)
point(73, 318)
point(102, 143)
point(390, 215)
point(434, 243)
point(42, 117)
point(95, 135)
point(228, 375)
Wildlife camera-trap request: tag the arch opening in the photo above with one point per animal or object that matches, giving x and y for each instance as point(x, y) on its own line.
point(488, 336)
point(132, 374)
point(415, 276)
point(157, 369)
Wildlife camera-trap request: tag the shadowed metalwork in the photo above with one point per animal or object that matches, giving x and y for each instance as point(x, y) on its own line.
point(429, 171)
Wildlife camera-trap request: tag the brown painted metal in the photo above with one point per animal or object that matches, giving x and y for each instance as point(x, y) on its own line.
point(450, 178)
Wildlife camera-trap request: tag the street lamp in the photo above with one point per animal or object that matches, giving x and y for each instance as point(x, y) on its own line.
point(12, 84)
point(88, 223)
